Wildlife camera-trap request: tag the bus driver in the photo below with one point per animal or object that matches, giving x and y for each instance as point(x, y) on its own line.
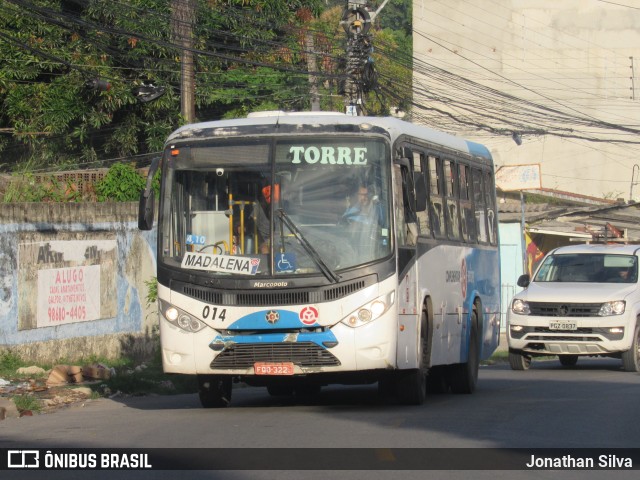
point(362, 208)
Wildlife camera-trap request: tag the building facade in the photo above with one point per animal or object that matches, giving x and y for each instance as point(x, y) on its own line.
point(538, 82)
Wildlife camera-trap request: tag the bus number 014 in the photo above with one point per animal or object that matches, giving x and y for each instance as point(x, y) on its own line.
point(213, 313)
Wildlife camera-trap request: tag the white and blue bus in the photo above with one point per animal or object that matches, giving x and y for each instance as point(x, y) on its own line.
point(297, 250)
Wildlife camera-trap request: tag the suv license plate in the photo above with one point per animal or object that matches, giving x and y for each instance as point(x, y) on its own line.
point(563, 326)
point(268, 368)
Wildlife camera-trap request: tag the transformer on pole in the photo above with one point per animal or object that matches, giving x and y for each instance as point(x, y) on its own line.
point(356, 21)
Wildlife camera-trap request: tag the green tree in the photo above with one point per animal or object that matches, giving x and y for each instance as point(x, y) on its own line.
point(122, 183)
point(249, 55)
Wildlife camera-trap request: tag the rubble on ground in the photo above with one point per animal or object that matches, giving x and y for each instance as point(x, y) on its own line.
point(52, 387)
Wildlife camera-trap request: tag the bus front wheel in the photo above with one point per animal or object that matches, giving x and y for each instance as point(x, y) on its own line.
point(214, 391)
point(411, 385)
point(464, 376)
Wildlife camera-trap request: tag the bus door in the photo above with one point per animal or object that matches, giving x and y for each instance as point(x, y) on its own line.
point(410, 196)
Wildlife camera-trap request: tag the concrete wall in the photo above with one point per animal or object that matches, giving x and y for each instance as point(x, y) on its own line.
point(72, 281)
point(575, 56)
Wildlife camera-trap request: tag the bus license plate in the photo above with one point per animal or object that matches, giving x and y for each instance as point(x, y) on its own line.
point(563, 326)
point(268, 368)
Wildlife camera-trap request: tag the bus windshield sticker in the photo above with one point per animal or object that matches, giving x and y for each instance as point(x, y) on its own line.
point(196, 240)
point(221, 263)
point(309, 315)
point(329, 155)
point(286, 262)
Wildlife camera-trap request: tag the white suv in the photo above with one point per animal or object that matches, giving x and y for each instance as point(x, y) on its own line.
point(584, 300)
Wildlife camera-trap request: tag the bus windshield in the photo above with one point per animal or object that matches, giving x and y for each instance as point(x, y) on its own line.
point(303, 205)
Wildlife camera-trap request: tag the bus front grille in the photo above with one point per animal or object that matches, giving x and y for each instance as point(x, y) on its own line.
point(272, 297)
point(303, 354)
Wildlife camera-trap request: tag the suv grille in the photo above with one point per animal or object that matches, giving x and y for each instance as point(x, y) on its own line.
point(548, 330)
point(544, 309)
point(304, 354)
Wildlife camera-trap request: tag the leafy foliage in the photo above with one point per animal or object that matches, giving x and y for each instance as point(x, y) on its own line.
point(9, 363)
point(26, 187)
point(27, 402)
point(122, 183)
point(249, 55)
point(152, 290)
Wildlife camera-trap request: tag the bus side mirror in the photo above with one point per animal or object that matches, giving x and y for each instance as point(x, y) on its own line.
point(146, 211)
point(524, 280)
point(421, 191)
point(405, 152)
point(147, 199)
point(403, 162)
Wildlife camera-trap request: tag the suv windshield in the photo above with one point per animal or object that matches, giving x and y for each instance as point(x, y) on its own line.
point(295, 206)
point(588, 267)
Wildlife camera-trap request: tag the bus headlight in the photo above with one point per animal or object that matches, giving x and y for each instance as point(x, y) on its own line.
point(369, 312)
point(520, 307)
point(612, 308)
point(180, 318)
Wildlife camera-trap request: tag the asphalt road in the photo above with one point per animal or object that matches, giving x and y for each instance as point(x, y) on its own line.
point(593, 405)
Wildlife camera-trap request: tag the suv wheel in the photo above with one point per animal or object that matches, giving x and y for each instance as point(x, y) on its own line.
point(568, 360)
point(518, 361)
point(631, 358)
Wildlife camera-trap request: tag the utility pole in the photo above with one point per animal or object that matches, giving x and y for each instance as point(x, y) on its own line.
point(312, 67)
point(183, 19)
point(356, 21)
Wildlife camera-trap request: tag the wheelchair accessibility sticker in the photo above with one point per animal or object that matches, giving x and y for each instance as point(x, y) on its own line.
point(285, 262)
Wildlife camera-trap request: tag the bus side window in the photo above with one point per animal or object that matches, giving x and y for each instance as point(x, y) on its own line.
point(466, 208)
point(424, 227)
point(451, 180)
point(436, 209)
point(491, 208)
point(479, 205)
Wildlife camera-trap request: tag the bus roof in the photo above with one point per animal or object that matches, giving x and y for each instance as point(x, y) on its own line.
point(269, 123)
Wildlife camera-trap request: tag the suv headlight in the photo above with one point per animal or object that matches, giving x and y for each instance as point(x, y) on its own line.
point(612, 308)
point(520, 307)
point(369, 312)
point(180, 318)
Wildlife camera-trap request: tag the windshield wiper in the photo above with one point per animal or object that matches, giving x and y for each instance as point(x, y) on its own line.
point(315, 256)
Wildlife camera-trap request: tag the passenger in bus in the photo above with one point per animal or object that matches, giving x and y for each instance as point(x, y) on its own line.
point(263, 214)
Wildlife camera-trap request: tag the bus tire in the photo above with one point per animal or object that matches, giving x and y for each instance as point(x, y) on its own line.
point(437, 381)
point(464, 376)
point(411, 385)
point(214, 391)
point(386, 386)
point(631, 358)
